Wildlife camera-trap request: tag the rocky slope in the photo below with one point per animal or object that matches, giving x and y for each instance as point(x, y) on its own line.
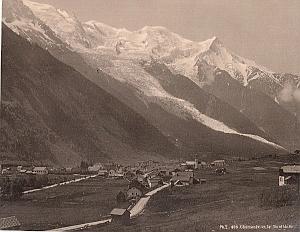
point(52, 113)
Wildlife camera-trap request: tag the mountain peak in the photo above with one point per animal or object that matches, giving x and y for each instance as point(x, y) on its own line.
point(15, 10)
point(214, 42)
point(154, 28)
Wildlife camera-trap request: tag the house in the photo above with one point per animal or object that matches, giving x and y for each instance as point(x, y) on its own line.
point(154, 182)
point(95, 168)
point(30, 172)
point(166, 172)
point(6, 171)
point(120, 215)
point(221, 171)
point(181, 180)
point(289, 174)
point(129, 175)
point(112, 173)
point(203, 164)
point(191, 164)
point(76, 170)
point(11, 223)
point(14, 166)
point(203, 181)
point(40, 170)
point(102, 172)
point(218, 163)
point(140, 177)
point(134, 193)
point(184, 178)
point(186, 173)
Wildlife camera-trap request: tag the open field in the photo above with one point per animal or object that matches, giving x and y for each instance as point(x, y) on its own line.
point(66, 205)
point(231, 199)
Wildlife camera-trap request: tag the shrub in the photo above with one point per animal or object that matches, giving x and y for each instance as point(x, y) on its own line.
point(12, 189)
point(121, 197)
point(41, 181)
point(279, 196)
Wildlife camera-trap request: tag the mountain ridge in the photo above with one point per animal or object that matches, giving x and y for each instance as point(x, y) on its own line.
point(64, 118)
point(114, 59)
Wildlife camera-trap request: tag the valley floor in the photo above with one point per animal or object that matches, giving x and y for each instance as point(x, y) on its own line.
point(66, 205)
point(229, 200)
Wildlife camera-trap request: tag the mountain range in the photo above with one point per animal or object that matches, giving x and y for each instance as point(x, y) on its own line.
point(136, 94)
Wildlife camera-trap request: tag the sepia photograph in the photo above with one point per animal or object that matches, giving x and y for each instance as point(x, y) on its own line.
point(150, 115)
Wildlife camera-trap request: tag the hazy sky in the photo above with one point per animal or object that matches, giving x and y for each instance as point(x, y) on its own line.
point(267, 31)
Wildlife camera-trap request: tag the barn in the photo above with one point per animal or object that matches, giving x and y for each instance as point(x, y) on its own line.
point(289, 174)
point(120, 215)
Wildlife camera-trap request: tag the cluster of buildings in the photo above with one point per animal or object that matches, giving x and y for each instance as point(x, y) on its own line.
point(150, 174)
point(145, 176)
point(22, 168)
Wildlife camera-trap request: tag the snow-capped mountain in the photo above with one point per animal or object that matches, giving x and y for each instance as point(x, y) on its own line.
point(66, 26)
point(181, 55)
point(22, 21)
point(118, 59)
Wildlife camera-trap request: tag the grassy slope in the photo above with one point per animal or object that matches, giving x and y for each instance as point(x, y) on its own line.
point(72, 204)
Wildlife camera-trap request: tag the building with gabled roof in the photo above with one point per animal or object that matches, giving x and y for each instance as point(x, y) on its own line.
point(291, 169)
point(41, 170)
point(289, 174)
point(120, 215)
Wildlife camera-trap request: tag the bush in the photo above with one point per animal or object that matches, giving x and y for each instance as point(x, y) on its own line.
point(279, 196)
point(121, 197)
point(12, 189)
point(41, 181)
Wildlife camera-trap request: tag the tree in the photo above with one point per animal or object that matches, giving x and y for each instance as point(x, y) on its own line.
point(5, 187)
point(12, 189)
point(31, 181)
point(16, 189)
point(41, 181)
point(121, 197)
point(84, 165)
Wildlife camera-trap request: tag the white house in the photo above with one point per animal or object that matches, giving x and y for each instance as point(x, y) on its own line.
point(95, 167)
point(114, 173)
point(218, 163)
point(102, 172)
point(41, 170)
point(289, 174)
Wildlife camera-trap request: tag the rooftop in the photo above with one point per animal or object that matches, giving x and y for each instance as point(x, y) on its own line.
point(181, 178)
point(291, 169)
point(9, 222)
point(40, 169)
point(117, 211)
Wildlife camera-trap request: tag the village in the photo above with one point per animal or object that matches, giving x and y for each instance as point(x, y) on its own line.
point(139, 181)
point(141, 176)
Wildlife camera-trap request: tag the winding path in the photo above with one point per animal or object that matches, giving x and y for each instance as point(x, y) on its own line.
point(59, 184)
point(141, 204)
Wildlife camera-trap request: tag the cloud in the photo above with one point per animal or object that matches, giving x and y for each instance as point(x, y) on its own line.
point(289, 93)
point(296, 95)
point(286, 94)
